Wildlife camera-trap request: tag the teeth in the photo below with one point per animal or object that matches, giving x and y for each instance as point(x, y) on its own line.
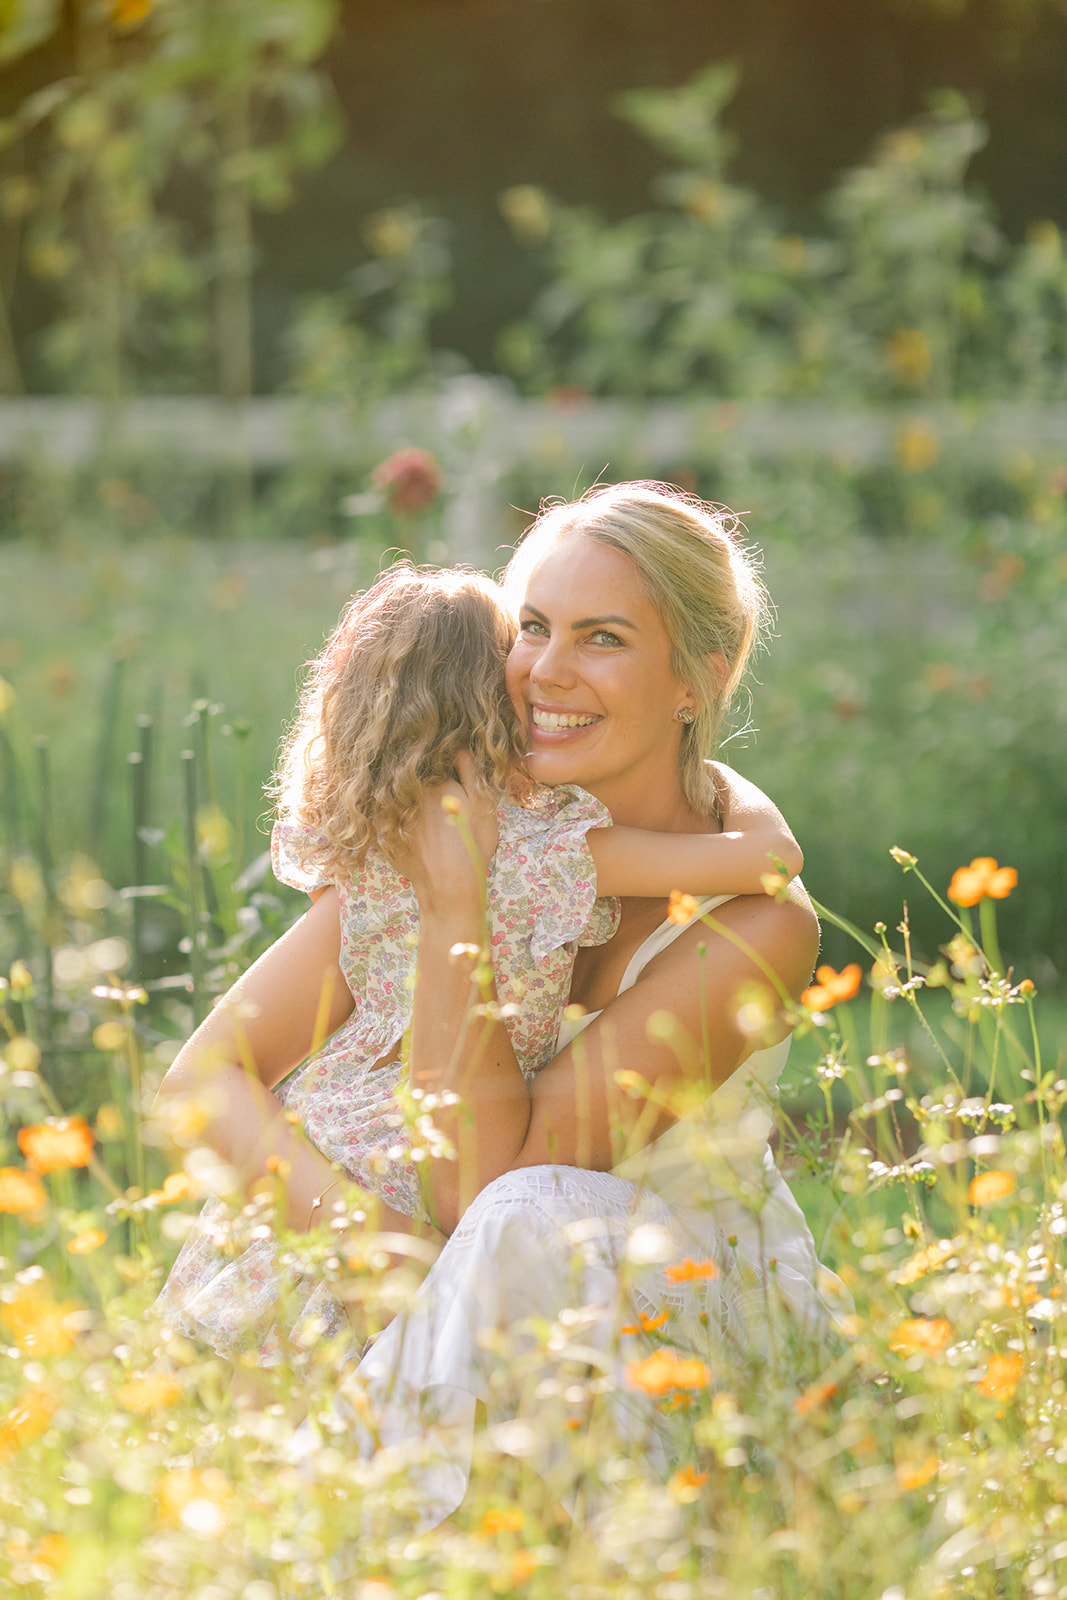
point(556, 719)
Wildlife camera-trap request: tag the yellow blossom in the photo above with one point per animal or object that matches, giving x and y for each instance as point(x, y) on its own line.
point(36, 1321)
point(57, 1143)
point(831, 988)
point(982, 877)
point(150, 1393)
point(23, 1055)
point(681, 908)
point(83, 1244)
point(917, 445)
point(915, 1474)
point(27, 1420)
point(685, 1271)
point(814, 1396)
point(924, 1261)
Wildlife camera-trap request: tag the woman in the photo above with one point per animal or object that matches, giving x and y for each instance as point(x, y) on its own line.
point(637, 613)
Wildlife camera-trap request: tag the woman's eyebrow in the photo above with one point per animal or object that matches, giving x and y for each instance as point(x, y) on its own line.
point(584, 622)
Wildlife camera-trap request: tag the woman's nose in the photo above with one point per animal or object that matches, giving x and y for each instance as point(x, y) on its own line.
point(554, 663)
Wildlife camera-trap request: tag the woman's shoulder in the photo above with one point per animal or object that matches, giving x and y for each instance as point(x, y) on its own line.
point(542, 810)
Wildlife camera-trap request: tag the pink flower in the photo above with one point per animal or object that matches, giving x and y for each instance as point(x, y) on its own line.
point(410, 479)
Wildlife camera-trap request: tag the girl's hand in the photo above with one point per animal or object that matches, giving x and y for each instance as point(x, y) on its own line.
point(451, 845)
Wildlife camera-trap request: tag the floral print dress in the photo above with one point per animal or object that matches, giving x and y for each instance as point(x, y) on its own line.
point(236, 1292)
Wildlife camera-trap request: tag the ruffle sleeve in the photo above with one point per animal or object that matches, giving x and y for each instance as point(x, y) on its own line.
point(544, 880)
point(296, 855)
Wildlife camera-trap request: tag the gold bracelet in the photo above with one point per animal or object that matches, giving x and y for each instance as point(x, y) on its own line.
point(319, 1198)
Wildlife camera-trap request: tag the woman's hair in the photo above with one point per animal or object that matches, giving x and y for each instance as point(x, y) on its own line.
point(412, 676)
point(699, 577)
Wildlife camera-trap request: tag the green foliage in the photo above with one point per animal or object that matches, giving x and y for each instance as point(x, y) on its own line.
point(223, 95)
point(911, 293)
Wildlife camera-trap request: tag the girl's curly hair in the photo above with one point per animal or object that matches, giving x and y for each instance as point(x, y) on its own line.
point(412, 675)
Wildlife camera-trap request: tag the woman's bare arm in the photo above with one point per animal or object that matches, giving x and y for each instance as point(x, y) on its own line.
point(283, 1007)
point(579, 1115)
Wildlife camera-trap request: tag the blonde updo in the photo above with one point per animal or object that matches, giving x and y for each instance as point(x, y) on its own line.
point(700, 578)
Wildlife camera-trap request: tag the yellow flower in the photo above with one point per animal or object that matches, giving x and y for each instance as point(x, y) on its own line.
point(918, 445)
point(681, 908)
point(914, 1474)
point(927, 1336)
point(990, 1186)
point(831, 987)
point(685, 1271)
point(21, 977)
point(924, 1261)
point(509, 1521)
point(150, 1393)
point(1001, 1376)
point(130, 13)
point(909, 356)
point(176, 1186)
point(109, 1035)
point(27, 1420)
point(36, 1321)
point(523, 1563)
point(199, 1499)
point(7, 696)
point(20, 1191)
point(982, 877)
point(83, 1244)
point(664, 1370)
point(57, 1143)
point(109, 1123)
point(23, 1055)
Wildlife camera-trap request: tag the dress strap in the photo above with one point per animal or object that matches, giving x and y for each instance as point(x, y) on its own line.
point(663, 936)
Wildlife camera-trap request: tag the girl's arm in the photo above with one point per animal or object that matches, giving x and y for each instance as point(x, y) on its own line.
point(631, 861)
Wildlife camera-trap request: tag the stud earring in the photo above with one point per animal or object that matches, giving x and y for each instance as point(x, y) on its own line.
point(685, 714)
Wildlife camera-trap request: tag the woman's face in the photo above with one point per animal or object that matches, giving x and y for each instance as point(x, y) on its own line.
point(591, 679)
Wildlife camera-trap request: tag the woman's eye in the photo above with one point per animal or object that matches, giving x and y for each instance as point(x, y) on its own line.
point(602, 636)
point(529, 625)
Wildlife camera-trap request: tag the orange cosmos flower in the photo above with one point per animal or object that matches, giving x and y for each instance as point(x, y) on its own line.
point(523, 1564)
point(1002, 1376)
point(647, 1324)
point(176, 1186)
point(687, 1483)
point(814, 1396)
point(27, 1420)
point(831, 987)
point(925, 1335)
point(20, 1191)
point(685, 1271)
point(681, 908)
point(990, 1186)
point(982, 877)
point(502, 1521)
point(57, 1143)
point(914, 1474)
point(663, 1370)
point(150, 1393)
point(83, 1244)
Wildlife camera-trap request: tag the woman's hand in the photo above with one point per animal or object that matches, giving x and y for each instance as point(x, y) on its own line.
point(449, 849)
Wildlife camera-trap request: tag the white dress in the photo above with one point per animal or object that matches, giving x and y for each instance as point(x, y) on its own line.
point(700, 1225)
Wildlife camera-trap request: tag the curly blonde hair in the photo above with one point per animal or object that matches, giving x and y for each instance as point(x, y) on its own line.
point(698, 575)
point(412, 676)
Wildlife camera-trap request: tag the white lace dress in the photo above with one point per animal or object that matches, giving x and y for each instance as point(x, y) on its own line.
point(699, 1226)
point(229, 1286)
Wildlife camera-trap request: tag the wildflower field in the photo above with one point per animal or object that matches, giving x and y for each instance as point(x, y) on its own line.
point(919, 1453)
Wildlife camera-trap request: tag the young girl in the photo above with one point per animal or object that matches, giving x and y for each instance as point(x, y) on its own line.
point(410, 684)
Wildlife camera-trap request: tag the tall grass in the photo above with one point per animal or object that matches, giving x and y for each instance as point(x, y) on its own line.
point(920, 1454)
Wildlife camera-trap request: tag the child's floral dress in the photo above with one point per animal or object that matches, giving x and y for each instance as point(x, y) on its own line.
point(238, 1296)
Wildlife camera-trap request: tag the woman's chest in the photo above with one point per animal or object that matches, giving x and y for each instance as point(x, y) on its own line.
point(599, 969)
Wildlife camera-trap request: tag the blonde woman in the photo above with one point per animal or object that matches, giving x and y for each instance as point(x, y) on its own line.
point(590, 1189)
point(409, 690)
